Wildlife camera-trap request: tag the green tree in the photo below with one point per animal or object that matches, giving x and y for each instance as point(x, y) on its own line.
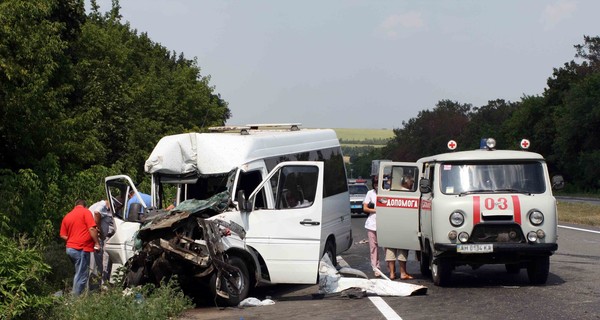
point(429, 132)
point(489, 121)
point(33, 65)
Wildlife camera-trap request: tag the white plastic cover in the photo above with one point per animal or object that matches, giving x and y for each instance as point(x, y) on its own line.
point(217, 153)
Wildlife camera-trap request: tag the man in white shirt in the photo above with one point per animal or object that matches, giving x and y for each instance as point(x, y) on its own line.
point(104, 219)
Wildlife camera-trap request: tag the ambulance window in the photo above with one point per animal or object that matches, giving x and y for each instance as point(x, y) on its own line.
point(401, 178)
point(489, 177)
point(431, 175)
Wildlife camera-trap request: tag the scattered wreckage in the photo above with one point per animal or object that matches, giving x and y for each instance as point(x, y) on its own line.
point(183, 242)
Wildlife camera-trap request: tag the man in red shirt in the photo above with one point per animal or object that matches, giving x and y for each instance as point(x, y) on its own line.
point(78, 229)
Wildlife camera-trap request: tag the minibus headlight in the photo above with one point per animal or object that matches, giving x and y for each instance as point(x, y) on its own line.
point(536, 217)
point(457, 218)
point(463, 237)
point(532, 236)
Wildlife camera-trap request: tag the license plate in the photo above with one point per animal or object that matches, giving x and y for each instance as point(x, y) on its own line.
point(355, 206)
point(475, 248)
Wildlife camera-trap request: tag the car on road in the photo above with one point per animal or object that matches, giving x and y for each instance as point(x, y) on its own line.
point(357, 191)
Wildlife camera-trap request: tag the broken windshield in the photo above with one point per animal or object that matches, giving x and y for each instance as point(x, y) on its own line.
point(480, 177)
point(174, 189)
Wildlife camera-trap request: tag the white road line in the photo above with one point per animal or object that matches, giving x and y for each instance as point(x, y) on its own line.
point(579, 229)
point(384, 308)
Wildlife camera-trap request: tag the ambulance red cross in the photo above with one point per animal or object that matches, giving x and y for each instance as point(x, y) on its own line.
point(474, 207)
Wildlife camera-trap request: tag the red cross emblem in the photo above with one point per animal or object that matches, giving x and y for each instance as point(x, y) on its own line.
point(451, 144)
point(525, 144)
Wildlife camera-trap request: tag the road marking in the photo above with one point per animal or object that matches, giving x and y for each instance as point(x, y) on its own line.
point(579, 229)
point(384, 308)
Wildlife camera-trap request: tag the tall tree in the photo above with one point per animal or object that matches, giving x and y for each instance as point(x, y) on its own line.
point(34, 64)
point(428, 133)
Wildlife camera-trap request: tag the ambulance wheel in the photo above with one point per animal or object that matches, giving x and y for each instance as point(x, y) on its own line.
point(538, 269)
point(513, 268)
point(240, 278)
point(424, 264)
point(441, 270)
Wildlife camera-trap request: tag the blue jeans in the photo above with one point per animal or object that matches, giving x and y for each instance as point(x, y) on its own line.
point(81, 260)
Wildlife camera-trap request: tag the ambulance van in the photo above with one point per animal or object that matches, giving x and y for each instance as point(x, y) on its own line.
point(475, 207)
point(255, 204)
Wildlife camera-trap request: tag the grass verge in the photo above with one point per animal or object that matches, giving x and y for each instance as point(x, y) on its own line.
point(580, 213)
point(144, 303)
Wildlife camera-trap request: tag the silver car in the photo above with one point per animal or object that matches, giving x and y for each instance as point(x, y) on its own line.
point(357, 192)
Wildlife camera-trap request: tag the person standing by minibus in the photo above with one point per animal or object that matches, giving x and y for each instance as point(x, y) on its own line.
point(371, 226)
point(78, 229)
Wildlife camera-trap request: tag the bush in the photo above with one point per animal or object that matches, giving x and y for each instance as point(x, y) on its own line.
point(21, 272)
point(144, 303)
point(62, 269)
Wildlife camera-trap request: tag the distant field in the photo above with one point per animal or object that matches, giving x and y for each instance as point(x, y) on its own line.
point(363, 134)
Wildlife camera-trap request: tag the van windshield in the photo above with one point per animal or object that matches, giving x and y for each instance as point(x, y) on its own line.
point(358, 189)
point(200, 187)
point(485, 177)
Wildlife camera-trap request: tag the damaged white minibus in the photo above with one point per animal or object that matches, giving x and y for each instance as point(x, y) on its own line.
point(259, 204)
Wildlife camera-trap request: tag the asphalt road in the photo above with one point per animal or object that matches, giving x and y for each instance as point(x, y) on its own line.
point(572, 290)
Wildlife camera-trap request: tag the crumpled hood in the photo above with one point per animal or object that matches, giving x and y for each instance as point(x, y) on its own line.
point(166, 219)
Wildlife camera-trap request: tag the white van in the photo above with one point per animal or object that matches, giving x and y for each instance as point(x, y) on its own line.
point(254, 204)
point(471, 208)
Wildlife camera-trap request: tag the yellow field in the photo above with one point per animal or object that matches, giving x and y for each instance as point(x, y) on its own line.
point(363, 134)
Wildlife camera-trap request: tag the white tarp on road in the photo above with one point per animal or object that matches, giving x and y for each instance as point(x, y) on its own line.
point(330, 281)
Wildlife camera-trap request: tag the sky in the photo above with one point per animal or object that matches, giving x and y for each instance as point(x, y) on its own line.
point(365, 63)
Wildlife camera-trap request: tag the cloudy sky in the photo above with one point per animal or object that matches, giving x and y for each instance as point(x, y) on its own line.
point(365, 63)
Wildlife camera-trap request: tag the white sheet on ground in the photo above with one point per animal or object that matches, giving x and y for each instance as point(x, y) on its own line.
point(254, 302)
point(330, 281)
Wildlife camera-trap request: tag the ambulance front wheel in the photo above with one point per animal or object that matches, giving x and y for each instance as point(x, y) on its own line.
point(424, 262)
point(441, 271)
point(538, 270)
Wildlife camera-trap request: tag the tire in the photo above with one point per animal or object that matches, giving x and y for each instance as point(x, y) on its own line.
point(441, 271)
point(241, 277)
point(538, 269)
point(513, 268)
point(424, 263)
point(135, 271)
point(330, 251)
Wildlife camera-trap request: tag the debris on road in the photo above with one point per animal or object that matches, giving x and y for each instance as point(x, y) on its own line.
point(330, 281)
point(254, 302)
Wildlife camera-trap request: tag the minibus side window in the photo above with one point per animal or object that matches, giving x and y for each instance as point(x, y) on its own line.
point(295, 186)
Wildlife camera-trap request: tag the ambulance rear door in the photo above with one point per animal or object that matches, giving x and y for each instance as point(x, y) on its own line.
point(398, 205)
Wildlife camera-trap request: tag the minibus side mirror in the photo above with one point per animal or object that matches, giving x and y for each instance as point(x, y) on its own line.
point(558, 182)
point(424, 185)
